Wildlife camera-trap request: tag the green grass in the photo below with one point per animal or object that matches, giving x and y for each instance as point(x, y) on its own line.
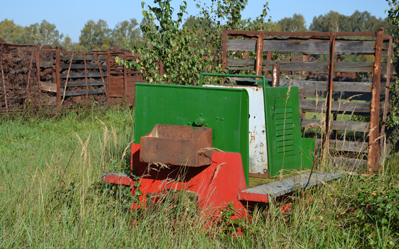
point(52, 195)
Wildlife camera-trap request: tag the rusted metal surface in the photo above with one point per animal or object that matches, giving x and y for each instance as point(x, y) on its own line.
point(386, 102)
point(259, 55)
point(215, 186)
point(276, 75)
point(373, 153)
point(329, 90)
point(177, 145)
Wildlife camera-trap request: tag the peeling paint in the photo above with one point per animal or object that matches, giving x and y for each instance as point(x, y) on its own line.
point(258, 163)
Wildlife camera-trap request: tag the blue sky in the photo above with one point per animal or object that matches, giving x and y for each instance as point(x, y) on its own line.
point(70, 16)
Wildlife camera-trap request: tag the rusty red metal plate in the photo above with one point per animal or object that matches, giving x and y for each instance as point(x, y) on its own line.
point(177, 145)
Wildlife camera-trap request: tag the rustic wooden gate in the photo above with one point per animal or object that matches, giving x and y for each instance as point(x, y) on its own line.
point(333, 95)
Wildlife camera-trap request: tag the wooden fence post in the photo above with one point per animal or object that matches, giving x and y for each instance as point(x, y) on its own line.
point(58, 81)
point(276, 75)
point(373, 150)
point(125, 76)
point(259, 55)
point(2, 76)
point(38, 69)
point(108, 74)
point(87, 85)
point(224, 56)
point(330, 88)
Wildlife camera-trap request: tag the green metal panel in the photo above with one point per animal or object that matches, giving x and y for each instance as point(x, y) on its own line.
point(225, 110)
point(283, 129)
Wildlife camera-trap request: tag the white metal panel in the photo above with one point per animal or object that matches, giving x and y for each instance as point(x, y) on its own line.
point(257, 128)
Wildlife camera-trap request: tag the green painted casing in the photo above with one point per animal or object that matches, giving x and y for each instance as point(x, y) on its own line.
point(225, 110)
point(286, 148)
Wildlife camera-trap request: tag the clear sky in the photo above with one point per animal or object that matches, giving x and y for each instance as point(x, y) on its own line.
point(70, 16)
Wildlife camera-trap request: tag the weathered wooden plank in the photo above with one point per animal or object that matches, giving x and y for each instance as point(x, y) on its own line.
point(337, 106)
point(305, 46)
point(337, 125)
point(81, 66)
point(80, 58)
point(81, 75)
point(48, 87)
point(365, 96)
point(46, 64)
point(244, 64)
point(384, 68)
point(349, 162)
point(340, 145)
point(322, 85)
point(78, 93)
point(83, 83)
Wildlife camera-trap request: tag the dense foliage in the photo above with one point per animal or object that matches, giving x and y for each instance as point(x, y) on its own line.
point(94, 35)
point(186, 51)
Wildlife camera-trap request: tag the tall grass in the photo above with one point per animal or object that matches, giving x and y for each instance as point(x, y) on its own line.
point(52, 195)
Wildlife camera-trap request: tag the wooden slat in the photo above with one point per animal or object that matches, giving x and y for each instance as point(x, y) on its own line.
point(337, 106)
point(81, 75)
point(46, 64)
point(340, 145)
point(83, 83)
point(246, 64)
point(305, 46)
point(349, 162)
point(78, 93)
point(80, 58)
point(365, 96)
point(322, 85)
point(81, 66)
point(338, 125)
point(48, 87)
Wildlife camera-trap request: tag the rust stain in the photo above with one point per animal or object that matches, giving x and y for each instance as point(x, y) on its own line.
point(177, 145)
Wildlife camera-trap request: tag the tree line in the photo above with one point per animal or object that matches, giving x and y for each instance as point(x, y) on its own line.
point(94, 35)
point(126, 34)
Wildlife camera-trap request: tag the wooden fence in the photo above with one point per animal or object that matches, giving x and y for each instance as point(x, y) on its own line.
point(348, 141)
point(92, 73)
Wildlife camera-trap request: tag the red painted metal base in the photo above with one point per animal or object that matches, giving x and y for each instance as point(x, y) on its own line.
point(215, 185)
